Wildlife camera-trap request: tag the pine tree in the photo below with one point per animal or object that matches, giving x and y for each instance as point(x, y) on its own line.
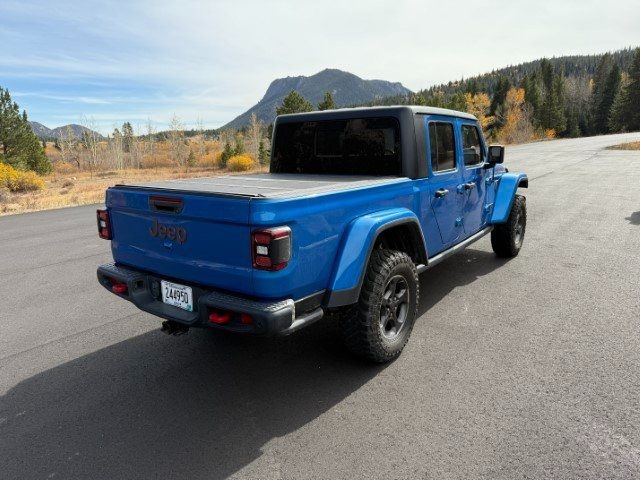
point(617, 116)
point(191, 159)
point(472, 87)
point(227, 153)
point(327, 103)
point(500, 94)
point(597, 120)
point(552, 116)
point(631, 109)
point(20, 146)
point(607, 96)
point(127, 136)
point(238, 149)
point(294, 103)
point(496, 108)
point(532, 95)
point(263, 153)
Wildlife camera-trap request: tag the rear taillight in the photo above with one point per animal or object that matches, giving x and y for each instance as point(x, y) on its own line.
point(104, 224)
point(271, 248)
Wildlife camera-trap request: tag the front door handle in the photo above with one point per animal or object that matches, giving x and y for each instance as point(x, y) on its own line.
point(441, 192)
point(469, 186)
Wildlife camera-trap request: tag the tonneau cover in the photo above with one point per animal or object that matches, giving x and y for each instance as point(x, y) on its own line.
point(267, 185)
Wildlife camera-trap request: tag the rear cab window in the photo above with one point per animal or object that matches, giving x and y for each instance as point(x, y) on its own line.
point(355, 146)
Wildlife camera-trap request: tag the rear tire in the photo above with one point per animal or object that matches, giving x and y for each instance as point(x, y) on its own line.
point(507, 238)
point(379, 325)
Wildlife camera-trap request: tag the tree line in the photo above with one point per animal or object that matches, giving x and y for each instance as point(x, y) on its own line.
point(567, 97)
point(535, 100)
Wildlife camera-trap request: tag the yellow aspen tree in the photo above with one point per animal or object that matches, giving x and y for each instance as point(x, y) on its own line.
point(517, 125)
point(478, 105)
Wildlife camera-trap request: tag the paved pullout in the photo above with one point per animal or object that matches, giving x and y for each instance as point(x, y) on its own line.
point(519, 369)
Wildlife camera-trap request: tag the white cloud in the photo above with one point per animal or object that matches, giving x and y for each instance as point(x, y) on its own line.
point(217, 58)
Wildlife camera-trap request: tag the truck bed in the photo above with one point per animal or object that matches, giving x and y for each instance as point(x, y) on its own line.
point(266, 185)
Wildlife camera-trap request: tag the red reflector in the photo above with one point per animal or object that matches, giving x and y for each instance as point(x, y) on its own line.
point(246, 319)
point(220, 318)
point(120, 288)
point(263, 261)
point(262, 238)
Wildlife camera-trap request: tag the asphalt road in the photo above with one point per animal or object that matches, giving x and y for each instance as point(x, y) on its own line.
point(522, 369)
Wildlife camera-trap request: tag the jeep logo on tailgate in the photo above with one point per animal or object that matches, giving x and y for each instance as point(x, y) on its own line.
point(178, 234)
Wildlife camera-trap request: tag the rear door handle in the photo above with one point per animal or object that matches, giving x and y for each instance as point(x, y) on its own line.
point(469, 186)
point(441, 192)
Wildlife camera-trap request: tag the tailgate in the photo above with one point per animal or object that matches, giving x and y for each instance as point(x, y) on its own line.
point(189, 237)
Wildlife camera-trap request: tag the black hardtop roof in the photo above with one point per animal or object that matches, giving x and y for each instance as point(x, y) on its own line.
point(342, 113)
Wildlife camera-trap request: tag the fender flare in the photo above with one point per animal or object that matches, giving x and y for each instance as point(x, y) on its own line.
point(507, 187)
point(355, 249)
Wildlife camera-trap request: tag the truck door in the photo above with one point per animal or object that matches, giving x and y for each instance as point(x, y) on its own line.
point(473, 153)
point(445, 177)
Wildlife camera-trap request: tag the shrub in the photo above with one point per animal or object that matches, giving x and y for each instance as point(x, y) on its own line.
point(240, 163)
point(5, 195)
point(27, 182)
point(8, 175)
point(19, 181)
point(67, 183)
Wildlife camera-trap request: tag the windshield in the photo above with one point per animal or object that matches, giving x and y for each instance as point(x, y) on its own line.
point(356, 146)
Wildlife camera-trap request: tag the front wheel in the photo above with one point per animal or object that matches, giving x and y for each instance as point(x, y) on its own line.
point(379, 325)
point(507, 238)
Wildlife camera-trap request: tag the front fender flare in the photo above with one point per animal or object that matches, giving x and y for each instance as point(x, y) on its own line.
point(355, 249)
point(507, 187)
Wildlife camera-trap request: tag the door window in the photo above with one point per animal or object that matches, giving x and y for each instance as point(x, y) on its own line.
point(471, 145)
point(442, 146)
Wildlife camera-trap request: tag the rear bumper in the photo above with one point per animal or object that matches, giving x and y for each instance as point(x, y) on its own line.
point(270, 318)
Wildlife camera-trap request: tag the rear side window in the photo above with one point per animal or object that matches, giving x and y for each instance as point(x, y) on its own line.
point(471, 145)
point(442, 145)
point(355, 146)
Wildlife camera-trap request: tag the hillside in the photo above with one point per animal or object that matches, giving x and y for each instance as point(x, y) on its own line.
point(45, 133)
point(572, 66)
point(347, 90)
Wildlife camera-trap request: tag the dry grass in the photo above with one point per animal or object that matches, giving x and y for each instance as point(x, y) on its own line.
point(67, 188)
point(626, 146)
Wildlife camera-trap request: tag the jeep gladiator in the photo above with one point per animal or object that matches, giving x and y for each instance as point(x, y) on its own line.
point(356, 204)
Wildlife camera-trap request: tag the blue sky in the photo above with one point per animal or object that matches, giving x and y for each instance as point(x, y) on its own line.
point(211, 60)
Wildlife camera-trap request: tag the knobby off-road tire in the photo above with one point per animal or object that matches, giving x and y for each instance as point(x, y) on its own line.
point(379, 325)
point(507, 238)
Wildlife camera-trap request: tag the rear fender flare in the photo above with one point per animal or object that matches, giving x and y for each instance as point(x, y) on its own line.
point(507, 188)
point(355, 249)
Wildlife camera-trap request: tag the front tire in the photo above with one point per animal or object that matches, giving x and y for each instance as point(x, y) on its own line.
point(379, 325)
point(507, 238)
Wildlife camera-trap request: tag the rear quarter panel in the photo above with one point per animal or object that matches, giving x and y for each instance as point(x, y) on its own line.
point(319, 225)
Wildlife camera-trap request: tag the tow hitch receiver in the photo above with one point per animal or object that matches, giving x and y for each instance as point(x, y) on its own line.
point(173, 328)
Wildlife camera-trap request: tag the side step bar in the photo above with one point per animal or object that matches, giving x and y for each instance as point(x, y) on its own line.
point(453, 250)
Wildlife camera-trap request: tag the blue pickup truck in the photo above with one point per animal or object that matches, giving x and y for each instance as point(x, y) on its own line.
point(357, 203)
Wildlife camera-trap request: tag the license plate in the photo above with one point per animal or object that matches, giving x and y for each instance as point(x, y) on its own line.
point(177, 295)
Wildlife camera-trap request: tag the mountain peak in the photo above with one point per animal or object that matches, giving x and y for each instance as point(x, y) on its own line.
point(45, 133)
point(347, 89)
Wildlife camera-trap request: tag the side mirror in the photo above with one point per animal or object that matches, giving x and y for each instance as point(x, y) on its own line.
point(496, 154)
